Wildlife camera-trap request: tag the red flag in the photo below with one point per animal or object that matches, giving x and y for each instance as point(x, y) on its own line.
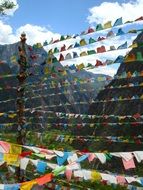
point(44, 179)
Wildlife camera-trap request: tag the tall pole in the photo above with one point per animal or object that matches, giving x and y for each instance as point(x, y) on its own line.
point(22, 75)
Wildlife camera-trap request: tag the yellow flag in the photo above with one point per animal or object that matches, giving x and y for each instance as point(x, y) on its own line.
point(83, 42)
point(67, 137)
point(11, 159)
point(107, 25)
point(134, 45)
point(50, 52)
point(28, 185)
point(64, 73)
point(100, 79)
point(130, 58)
point(95, 176)
point(49, 60)
point(13, 59)
point(1, 114)
point(46, 70)
point(15, 149)
point(71, 140)
point(120, 98)
point(84, 53)
point(39, 45)
point(12, 115)
point(80, 66)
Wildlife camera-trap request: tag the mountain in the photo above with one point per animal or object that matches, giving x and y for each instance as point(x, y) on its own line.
point(120, 104)
point(53, 91)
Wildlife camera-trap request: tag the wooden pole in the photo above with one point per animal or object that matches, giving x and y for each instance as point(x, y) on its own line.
point(22, 75)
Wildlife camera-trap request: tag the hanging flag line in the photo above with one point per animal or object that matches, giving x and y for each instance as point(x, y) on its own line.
point(78, 186)
point(11, 153)
point(16, 75)
point(84, 54)
point(129, 58)
point(66, 92)
point(60, 57)
point(107, 62)
point(112, 99)
point(122, 76)
point(70, 138)
point(85, 116)
point(100, 49)
point(77, 116)
point(91, 31)
point(65, 125)
point(54, 186)
point(74, 68)
point(12, 114)
point(84, 123)
point(76, 82)
point(98, 63)
point(83, 42)
point(55, 85)
point(38, 108)
point(73, 165)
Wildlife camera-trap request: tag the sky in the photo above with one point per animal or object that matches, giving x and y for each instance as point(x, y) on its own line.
point(61, 16)
point(46, 19)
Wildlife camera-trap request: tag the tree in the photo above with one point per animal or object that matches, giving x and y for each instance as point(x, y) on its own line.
point(6, 5)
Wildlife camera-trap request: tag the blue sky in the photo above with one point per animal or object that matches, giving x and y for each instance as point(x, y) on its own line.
point(61, 16)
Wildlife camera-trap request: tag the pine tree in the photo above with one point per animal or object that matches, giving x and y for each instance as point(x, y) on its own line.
point(6, 5)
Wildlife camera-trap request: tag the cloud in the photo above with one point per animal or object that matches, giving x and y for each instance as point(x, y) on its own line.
point(110, 70)
point(37, 33)
point(10, 12)
point(111, 11)
point(34, 34)
point(6, 34)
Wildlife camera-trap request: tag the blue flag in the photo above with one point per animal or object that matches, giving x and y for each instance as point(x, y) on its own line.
point(41, 166)
point(12, 187)
point(118, 22)
point(123, 46)
point(83, 157)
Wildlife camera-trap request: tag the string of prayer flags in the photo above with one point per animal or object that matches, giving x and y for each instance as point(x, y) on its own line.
point(60, 85)
point(73, 55)
point(66, 92)
point(86, 174)
point(84, 42)
point(82, 125)
point(119, 59)
point(98, 27)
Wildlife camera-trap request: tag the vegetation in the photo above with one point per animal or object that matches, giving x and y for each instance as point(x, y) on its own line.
point(6, 5)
